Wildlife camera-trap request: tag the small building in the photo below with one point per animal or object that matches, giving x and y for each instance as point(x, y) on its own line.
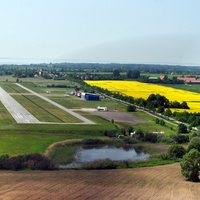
point(162, 77)
point(191, 80)
point(153, 78)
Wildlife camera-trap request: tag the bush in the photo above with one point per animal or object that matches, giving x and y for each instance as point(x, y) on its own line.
point(31, 161)
point(150, 137)
point(100, 164)
point(164, 139)
point(180, 138)
point(190, 165)
point(194, 134)
point(139, 134)
point(129, 140)
point(92, 141)
point(182, 128)
point(38, 161)
point(131, 108)
point(176, 151)
point(164, 156)
point(194, 144)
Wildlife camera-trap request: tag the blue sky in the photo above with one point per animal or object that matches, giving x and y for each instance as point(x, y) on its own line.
point(125, 31)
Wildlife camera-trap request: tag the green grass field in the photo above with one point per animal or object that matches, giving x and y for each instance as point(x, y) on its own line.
point(45, 111)
point(18, 139)
point(169, 128)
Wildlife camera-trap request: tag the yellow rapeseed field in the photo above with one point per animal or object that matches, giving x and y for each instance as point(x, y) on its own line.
point(137, 90)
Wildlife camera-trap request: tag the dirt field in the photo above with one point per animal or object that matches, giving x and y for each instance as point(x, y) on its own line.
point(119, 117)
point(153, 183)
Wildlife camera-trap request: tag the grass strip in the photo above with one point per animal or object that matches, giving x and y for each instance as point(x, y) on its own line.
point(45, 111)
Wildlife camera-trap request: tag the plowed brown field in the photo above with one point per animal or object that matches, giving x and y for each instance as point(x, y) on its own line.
point(161, 183)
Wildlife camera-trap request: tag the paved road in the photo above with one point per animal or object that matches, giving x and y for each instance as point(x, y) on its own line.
point(85, 120)
point(19, 113)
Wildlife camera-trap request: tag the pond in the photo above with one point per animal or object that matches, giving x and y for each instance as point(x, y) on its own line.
point(84, 155)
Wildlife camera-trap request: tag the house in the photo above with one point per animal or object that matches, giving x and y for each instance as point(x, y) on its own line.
point(189, 80)
point(162, 77)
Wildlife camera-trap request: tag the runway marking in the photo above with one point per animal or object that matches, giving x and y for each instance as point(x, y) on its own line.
point(21, 115)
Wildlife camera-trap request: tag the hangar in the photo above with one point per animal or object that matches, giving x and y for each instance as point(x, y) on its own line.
point(90, 97)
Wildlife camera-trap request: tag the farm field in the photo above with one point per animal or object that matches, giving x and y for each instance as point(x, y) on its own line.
point(150, 183)
point(188, 87)
point(137, 90)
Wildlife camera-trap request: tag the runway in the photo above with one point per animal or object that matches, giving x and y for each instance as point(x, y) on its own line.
point(19, 113)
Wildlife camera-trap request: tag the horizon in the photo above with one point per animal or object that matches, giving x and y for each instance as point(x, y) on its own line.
point(35, 61)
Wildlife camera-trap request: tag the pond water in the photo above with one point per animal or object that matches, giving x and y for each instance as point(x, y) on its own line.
point(118, 154)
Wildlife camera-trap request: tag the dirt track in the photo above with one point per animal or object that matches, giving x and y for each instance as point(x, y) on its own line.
point(119, 117)
point(153, 183)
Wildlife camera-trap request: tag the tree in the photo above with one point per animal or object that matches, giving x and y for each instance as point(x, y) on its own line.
point(160, 109)
point(116, 73)
point(139, 134)
point(182, 128)
point(194, 144)
point(179, 138)
point(133, 74)
point(150, 137)
point(130, 129)
point(123, 131)
point(157, 121)
point(162, 122)
point(190, 165)
point(176, 151)
point(168, 112)
point(131, 108)
point(184, 105)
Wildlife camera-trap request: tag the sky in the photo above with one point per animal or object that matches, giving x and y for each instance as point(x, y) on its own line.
point(104, 31)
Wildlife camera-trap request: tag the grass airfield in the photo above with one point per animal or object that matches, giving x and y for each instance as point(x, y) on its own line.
point(16, 138)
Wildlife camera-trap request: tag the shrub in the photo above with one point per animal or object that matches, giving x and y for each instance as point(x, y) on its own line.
point(129, 140)
point(162, 122)
point(176, 151)
point(31, 161)
point(190, 165)
point(164, 156)
point(130, 129)
point(38, 161)
point(164, 139)
point(194, 134)
point(194, 144)
point(131, 108)
point(180, 138)
point(100, 164)
point(157, 121)
point(139, 134)
point(150, 137)
point(182, 128)
point(92, 141)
